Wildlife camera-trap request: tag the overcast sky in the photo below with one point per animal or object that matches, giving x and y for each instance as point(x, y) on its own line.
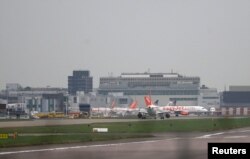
point(43, 41)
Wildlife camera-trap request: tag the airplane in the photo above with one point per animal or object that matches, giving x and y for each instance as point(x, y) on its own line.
point(153, 110)
point(101, 111)
point(165, 111)
point(125, 111)
point(113, 110)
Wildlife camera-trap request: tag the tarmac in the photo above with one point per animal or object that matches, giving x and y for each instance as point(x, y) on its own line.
point(49, 122)
point(163, 145)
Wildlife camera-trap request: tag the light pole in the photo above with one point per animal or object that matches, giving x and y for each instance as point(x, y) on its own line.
point(66, 104)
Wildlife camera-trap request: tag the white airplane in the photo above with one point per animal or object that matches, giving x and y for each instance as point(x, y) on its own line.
point(125, 111)
point(165, 111)
point(153, 110)
point(100, 110)
point(113, 110)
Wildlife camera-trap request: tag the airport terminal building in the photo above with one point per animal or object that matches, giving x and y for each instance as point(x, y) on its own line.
point(236, 101)
point(80, 81)
point(164, 87)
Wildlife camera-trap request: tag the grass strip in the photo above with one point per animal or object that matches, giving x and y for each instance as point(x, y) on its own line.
point(63, 139)
point(171, 125)
point(116, 130)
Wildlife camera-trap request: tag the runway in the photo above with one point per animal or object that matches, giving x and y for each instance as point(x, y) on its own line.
point(162, 146)
point(49, 122)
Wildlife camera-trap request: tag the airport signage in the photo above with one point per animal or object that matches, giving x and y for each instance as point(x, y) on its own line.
point(228, 150)
point(100, 129)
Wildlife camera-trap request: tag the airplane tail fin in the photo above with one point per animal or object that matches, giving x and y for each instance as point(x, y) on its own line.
point(148, 101)
point(156, 102)
point(133, 105)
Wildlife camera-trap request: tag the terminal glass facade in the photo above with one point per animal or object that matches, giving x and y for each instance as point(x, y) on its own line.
point(80, 81)
point(150, 83)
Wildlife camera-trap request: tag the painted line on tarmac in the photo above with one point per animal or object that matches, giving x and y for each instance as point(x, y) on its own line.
point(239, 131)
point(234, 137)
point(220, 133)
point(245, 131)
point(210, 135)
point(86, 146)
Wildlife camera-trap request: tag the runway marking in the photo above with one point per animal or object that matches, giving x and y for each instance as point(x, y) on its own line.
point(220, 133)
point(86, 146)
point(209, 135)
point(239, 131)
point(245, 131)
point(234, 137)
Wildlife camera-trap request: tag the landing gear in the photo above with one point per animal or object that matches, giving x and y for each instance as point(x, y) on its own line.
point(141, 116)
point(167, 115)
